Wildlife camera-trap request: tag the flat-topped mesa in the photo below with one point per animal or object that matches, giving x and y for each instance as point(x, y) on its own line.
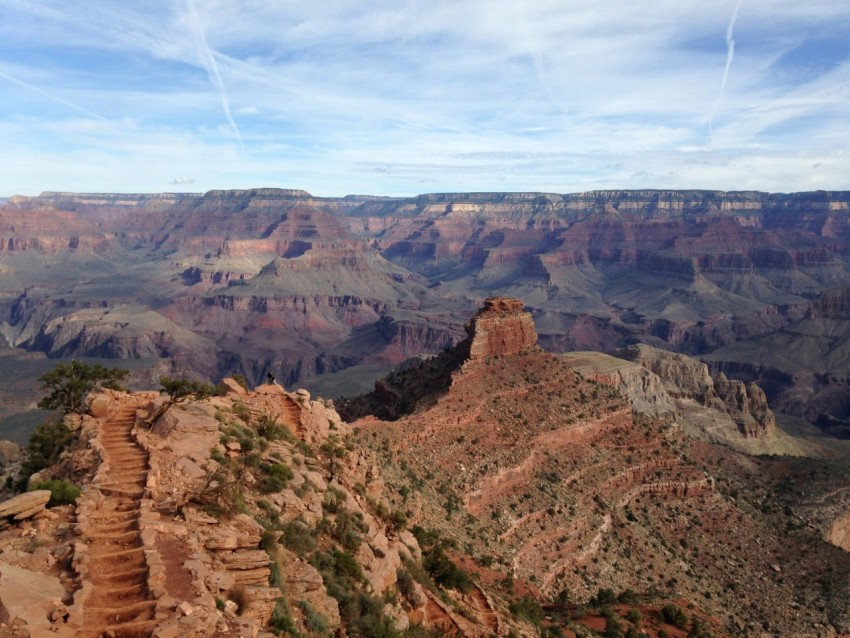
point(501, 327)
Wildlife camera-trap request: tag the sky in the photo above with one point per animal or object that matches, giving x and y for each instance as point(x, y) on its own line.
point(400, 97)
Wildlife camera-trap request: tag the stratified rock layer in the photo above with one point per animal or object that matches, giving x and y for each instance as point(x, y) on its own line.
point(501, 327)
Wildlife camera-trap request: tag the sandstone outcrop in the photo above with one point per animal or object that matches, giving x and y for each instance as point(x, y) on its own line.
point(687, 378)
point(537, 462)
point(24, 505)
point(501, 327)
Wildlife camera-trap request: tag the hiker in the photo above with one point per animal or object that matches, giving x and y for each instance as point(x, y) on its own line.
point(270, 378)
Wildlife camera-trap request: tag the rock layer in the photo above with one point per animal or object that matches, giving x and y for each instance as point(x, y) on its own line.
point(501, 327)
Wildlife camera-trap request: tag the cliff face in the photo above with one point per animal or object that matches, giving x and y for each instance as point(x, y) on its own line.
point(739, 275)
point(243, 498)
point(687, 378)
point(535, 461)
point(501, 327)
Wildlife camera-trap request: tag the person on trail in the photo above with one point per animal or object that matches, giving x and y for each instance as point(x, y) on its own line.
point(270, 378)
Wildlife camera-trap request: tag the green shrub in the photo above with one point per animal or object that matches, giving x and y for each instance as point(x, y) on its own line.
point(268, 427)
point(528, 609)
point(346, 529)
point(339, 564)
point(313, 620)
point(242, 411)
point(273, 477)
point(334, 500)
point(240, 379)
point(444, 571)
point(44, 447)
point(298, 538)
point(405, 583)
point(62, 492)
point(603, 597)
point(634, 616)
point(281, 621)
point(673, 615)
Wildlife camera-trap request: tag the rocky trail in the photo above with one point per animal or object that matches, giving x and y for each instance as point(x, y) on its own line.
point(489, 618)
point(118, 604)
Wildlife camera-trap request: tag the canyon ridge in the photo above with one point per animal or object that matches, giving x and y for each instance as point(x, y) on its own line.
point(330, 293)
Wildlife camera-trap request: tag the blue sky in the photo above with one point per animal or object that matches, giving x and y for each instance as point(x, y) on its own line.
point(400, 97)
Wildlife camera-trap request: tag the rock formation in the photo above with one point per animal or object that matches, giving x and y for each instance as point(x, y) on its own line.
point(501, 327)
point(262, 509)
point(553, 477)
point(24, 505)
point(687, 378)
point(327, 288)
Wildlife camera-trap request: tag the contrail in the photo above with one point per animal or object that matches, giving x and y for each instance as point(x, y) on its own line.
point(537, 55)
point(51, 97)
point(208, 60)
point(730, 53)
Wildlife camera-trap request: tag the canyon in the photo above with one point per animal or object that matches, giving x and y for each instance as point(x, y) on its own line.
point(330, 293)
point(490, 489)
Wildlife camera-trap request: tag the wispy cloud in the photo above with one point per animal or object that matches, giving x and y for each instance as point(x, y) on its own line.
point(50, 96)
point(344, 96)
point(205, 54)
point(730, 54)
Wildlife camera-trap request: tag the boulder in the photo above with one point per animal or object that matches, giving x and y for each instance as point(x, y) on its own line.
point(303, 582)
point(28, 596)
point(228, 387)
point(25, 505)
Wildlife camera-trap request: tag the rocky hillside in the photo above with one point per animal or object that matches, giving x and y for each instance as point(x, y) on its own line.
point(332, 292)
point(504, 493)
point(554, 478)
point(252, 511)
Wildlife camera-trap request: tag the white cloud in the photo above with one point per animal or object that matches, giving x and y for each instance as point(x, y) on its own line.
point(467, 94)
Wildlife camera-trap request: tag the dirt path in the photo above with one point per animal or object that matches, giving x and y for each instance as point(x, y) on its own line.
point(292, 414)
point(119, 604)
point(485, 609)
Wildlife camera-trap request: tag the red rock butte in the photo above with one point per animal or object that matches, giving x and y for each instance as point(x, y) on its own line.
point(501, 327)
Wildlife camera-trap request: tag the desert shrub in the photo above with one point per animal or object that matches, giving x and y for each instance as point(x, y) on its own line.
point(218, 456)
point(398, 519)
point(418, 573)
point(340, 564)
point(334, 500)
point(444, 571)
point(44, 447)
point(673, 615)
point(634, 616)
point(613, 628)
point(62, 492)
point(405, 583)
point(297, 537)
point(281, 621)
point(346, 529)
point(242, 411)
point(603, 597)
point(528, 609)
point(273, 477)
point(313, 620)
point(268, 427)
point(240, 379)
point(70, 383)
